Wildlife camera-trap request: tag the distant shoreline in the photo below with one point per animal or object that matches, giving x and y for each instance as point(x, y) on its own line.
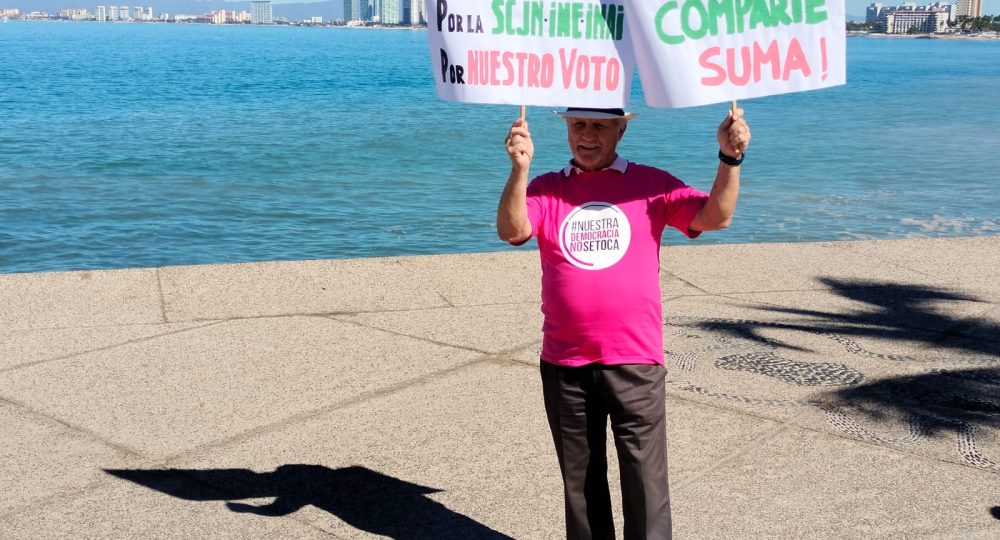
point(946, 37)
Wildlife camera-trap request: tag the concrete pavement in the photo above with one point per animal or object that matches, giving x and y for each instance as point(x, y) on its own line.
point(818, 390)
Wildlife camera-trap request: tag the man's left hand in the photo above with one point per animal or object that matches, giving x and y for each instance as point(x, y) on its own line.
point(733, 134)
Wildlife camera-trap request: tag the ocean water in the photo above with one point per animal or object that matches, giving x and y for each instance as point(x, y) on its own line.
point(128, 145)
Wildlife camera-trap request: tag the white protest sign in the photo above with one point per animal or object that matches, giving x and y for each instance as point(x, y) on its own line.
point(531, 52)
point(696, 52)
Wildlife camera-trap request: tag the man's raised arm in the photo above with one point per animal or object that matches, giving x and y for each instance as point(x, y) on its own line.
point(733, 136)
point(512, 213)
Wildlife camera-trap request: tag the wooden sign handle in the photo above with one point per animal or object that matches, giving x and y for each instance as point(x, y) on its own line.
point(732, 108)
point(522, 111)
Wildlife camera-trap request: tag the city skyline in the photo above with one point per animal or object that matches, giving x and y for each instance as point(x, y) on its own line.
point(333, 10)
point(165, 10)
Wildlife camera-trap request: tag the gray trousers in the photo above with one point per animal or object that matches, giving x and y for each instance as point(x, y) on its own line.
point(578, 403)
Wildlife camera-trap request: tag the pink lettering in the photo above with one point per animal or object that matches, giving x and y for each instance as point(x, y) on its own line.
point(567, 67)
point(507, 57)
point(796, 59)
point(706, 62)
point(750, 62)
point(494, 66)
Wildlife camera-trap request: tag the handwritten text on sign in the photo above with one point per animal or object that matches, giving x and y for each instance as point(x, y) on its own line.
point(531, 52)
point(694, 52)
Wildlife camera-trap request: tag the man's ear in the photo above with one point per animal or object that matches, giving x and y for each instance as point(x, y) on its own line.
point(621, 128)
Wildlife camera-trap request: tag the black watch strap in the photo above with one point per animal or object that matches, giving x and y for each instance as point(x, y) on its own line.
point(735, 162)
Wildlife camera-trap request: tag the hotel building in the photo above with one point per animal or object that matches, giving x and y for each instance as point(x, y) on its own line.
point(260, 12)
point(902, 19)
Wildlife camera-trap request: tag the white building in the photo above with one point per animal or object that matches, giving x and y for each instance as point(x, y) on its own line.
point(417, 16)
point(74, 14)
point(100, 13)
point(260, 12)
point(923, 22)
point(902, 19)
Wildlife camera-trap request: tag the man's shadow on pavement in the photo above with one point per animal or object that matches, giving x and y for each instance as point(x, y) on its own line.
point(365, 499)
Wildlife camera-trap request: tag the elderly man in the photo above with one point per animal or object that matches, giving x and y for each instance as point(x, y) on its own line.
point(598, 223)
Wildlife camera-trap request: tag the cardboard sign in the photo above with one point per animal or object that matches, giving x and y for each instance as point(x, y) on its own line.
point(695, 52)
point(531, 52)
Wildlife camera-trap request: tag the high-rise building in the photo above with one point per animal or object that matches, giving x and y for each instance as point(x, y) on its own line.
point(416, 12)
point(392, 12)
point(969, 8)
point(113, 13)
point(100, 13)
point(873, 12)
point(352, 9)
point(260, 12)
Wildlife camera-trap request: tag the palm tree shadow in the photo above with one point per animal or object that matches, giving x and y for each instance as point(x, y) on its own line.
point(365, 499)
point(942, 400)
point(888, 311)
point(962, 397)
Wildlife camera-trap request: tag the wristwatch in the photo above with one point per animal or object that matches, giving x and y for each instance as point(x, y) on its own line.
point(734, 162)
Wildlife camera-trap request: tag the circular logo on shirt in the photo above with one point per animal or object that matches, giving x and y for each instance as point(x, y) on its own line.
point(594, 235)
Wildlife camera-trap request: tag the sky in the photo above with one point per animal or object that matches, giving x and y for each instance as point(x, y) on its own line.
point(854, 7)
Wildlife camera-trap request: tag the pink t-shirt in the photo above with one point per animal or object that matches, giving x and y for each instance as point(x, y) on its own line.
point(599, 239)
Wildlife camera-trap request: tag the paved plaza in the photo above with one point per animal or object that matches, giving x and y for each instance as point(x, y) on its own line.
point(815, 390)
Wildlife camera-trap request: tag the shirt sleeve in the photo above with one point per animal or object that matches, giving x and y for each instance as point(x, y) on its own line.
point(682, 204)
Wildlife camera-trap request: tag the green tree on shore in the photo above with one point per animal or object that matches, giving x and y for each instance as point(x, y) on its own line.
point(976, 24)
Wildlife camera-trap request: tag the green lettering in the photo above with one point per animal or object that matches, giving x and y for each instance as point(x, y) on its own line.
point(537, 18)
point(812, 15)
point(797, 10)
point(509, 26)
point(620, 23)
point(743, 8)
point(562, 25)
point(498, 13)
point(760, 14)
point(577, 15)
point(694, 33)
point(661, 13)
point(779, 12)
point(718, 9)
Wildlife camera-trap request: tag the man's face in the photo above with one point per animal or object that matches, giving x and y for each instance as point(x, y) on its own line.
point(593, 141)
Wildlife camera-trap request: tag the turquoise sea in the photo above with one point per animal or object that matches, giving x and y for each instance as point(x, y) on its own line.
point(127, 145)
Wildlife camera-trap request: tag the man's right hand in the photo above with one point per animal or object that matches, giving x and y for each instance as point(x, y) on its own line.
point(520, 149)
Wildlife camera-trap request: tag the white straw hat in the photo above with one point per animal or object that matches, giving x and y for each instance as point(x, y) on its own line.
point(595, 113)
